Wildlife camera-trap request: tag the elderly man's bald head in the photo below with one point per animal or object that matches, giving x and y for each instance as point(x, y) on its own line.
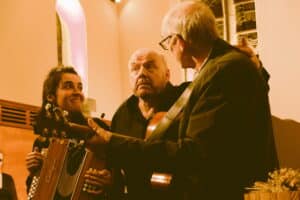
point(149, 54)
point(148, 72)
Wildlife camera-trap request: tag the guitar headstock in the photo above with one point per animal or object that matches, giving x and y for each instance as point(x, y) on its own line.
point(52, 121)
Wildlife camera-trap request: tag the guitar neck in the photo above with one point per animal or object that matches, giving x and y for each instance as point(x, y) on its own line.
point(79, 131)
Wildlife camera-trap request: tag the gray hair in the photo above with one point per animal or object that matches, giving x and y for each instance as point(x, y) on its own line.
point(194, 21)
point(143, 51)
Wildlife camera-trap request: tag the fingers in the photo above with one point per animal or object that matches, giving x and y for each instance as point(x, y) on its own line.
point(101, 137)
point(97, 180)
point(93, 191)
point(92, 124)
point(34, 161)
point(248, 50)
point(243, 42)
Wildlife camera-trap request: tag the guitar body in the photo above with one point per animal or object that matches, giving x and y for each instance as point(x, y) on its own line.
point(155, 119)
point(158, 180)
point(62, 174)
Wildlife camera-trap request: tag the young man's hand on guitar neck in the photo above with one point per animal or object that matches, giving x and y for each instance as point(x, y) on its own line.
point(101, 136)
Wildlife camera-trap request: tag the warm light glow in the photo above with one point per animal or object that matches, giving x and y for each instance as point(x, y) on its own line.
point(161, 178)
point(72, 18)
point(72, 8)
point(117, 1)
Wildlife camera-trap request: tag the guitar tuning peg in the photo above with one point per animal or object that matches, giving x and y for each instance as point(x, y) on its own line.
point(63, 134)
point(54, 133)
point(45, 132)
point(48, 106)
point(56, 117)
point(47, 109)
point(65, 113)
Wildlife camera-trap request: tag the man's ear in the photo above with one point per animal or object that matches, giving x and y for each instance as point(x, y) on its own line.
point(180, 42)
point(175, 41)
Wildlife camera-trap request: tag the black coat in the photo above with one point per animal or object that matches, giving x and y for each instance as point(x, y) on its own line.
point(128, 120)
point(8, 190)
point(227, 133)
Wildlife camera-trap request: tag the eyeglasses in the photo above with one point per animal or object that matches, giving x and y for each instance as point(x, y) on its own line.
point(164, 43)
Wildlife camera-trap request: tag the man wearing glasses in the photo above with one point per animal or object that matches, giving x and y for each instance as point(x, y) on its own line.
point(226, 140)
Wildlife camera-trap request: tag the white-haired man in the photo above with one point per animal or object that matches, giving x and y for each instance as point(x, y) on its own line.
point(152, 94)
point(228, 141)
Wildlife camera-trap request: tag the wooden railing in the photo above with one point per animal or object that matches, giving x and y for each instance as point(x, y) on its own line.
point(21, 115)
point(17, 114)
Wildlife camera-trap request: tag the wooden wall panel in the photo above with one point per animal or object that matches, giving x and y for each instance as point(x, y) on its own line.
point(15, 143)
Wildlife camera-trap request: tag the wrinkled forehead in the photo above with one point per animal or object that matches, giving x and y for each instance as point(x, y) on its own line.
point(143, 56)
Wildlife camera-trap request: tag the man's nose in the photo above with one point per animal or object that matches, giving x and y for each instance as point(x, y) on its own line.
point(142, 71)
point(77, 90)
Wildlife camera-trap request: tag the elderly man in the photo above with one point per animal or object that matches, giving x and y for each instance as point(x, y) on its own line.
point(226, 140)
point(152, 94)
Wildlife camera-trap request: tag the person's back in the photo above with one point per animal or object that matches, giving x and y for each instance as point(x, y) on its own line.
point(228, 117)
point(226, 126)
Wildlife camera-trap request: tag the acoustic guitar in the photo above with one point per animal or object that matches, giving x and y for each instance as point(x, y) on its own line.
point(67, 160)
point(158, 180)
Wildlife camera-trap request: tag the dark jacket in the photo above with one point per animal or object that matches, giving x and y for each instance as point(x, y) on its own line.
point(8, 190)
point(227, 133)
point(128, 120)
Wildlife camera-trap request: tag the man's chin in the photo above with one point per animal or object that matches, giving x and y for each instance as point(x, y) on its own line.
point(145, 95)
point(74, 108)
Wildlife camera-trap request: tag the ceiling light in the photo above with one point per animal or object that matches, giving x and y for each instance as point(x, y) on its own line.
point(116, 1)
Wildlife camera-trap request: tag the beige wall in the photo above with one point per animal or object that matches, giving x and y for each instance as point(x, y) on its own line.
point(104, 73)
point(278, 32)
point(140, 22)
point(27, 48)
point(15, 152)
